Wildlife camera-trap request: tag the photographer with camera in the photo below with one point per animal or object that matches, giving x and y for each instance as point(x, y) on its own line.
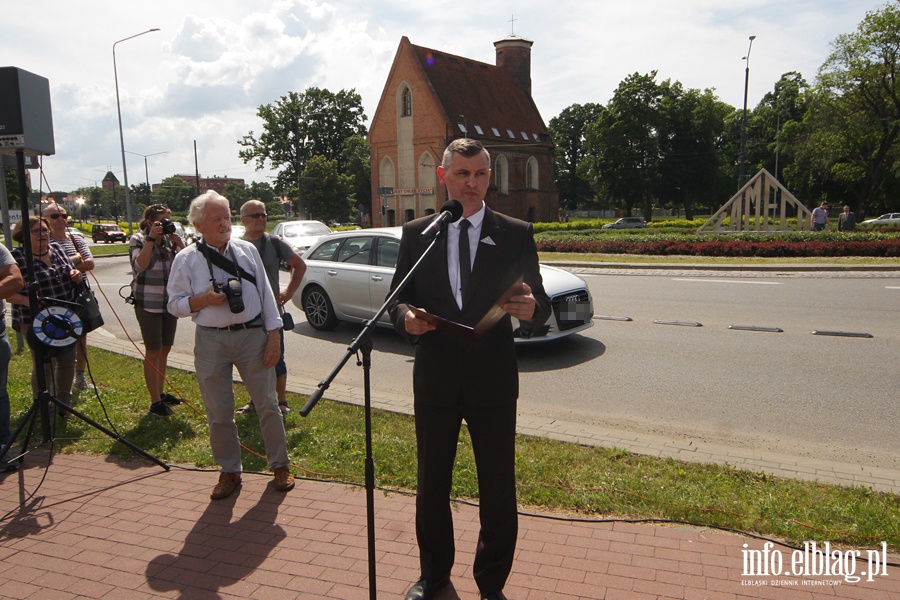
point(222, 285)
point(273, 251)
point(152, 251)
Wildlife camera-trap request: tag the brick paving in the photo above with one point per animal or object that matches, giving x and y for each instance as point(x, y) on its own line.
point(96, 527)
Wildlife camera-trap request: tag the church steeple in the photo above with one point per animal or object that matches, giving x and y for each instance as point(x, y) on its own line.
point(514, 55)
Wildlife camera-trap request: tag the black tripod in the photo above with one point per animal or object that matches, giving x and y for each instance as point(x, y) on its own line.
point(41, 404)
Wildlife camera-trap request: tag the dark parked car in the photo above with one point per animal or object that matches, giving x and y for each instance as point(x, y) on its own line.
point(107, 233)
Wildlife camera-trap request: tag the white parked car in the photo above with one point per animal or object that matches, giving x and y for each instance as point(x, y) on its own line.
point(626, 223)
point(349, 273)
point(300, 235)
point(886, 219)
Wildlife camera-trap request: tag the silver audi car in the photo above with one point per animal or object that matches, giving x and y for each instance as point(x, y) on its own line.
point(349, 274)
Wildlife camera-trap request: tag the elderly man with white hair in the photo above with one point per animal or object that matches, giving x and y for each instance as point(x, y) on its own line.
point(220, 282)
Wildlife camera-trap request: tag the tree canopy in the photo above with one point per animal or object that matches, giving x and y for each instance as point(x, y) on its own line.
point(660, 145)
point(301, 126)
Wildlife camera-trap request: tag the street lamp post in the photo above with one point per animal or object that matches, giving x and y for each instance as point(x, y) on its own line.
point(146, 169)
point(80, 202)
point(300, 150)
point(742, 168)
point(121, 134)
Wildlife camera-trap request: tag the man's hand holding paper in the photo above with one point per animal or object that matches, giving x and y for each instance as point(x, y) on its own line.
point(522, 305)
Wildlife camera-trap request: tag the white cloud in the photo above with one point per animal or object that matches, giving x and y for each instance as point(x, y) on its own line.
point(214, 62)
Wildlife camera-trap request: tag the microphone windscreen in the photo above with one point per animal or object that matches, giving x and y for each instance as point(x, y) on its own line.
point(454, 208)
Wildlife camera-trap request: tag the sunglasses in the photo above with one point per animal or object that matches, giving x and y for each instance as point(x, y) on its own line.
point(257, 215)
point(159, 208)
point(57, 216)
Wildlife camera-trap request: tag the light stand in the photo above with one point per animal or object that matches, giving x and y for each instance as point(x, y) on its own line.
point(742, 168)
point(363, 343)
point(42, 402)
point(122, 134)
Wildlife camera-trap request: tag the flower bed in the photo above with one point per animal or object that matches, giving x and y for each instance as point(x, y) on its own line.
point(764, 248)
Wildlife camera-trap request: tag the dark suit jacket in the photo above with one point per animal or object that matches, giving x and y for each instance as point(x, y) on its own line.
point(450, 369)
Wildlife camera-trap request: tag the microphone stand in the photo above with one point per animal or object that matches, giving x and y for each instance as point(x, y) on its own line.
point(42, 402)
point(363, 343)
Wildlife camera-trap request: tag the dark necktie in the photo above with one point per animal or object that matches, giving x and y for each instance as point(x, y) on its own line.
point(465, 263)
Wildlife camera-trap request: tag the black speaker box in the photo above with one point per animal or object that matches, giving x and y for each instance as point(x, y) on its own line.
point(26, 120)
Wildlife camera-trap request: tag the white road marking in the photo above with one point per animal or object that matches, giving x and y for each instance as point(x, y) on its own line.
point(727, 281)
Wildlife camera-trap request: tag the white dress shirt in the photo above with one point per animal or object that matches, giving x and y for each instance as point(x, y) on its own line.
point(190, 276)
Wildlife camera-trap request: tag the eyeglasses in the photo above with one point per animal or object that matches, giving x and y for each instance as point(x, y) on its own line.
point(40, 231)
point(257, 215)
point(57, 215)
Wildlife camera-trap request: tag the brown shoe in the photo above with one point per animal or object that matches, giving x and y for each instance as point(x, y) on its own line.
point(284, 481)
point(228, 482)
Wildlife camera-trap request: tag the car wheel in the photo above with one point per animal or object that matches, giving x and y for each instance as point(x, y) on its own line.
point(318, 309)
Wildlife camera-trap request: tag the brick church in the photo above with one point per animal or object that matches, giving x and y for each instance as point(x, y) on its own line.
point(431, 98)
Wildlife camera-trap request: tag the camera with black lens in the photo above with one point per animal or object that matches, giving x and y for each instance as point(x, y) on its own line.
point(233, 293)
point(168, 226)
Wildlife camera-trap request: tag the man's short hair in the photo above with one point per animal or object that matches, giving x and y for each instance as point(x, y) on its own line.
point(465, 146)
point(53, 208)
point(249, 205)
point(198, 205)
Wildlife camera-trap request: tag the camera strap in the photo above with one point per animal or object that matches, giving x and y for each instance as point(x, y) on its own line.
point(229, 266)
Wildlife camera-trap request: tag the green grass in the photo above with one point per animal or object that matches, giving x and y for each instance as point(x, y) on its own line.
point(553, 476)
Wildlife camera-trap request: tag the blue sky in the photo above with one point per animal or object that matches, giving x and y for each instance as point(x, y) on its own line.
point(213, 63)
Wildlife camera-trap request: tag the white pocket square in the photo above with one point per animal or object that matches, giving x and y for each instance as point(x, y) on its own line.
point(487, 240)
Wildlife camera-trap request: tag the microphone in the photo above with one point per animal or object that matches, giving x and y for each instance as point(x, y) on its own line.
point(451, 211)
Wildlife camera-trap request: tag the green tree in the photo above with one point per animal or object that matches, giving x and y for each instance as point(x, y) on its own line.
point(300, 126)
point(12, 187)
point(97, 201)
point(691, 126)
point(849, 145)
point(358, 167)
point(622, 146)
point(326, 192)
point(174, 192)
point(237, 193)
point(262, 191)
point(140, 195)
point(569, 131)
point(772, 126)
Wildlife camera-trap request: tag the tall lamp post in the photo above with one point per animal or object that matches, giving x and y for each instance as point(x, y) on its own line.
point(300, 150)
point(742, 167)
point(80, 202)
point(147, 170)
point(121, 134)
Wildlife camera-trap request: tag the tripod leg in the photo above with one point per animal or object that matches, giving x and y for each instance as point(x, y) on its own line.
point(60, 404)
point(27, 420)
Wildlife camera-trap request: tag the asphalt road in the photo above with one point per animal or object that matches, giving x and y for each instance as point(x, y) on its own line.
point(825, 396)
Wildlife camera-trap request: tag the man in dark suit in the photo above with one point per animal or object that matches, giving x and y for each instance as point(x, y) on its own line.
point(457, 378)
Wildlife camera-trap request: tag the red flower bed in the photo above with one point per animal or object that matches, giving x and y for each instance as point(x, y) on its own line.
point(738, 248)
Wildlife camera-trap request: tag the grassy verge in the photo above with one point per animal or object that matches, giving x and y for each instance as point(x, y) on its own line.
point(553, 476)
